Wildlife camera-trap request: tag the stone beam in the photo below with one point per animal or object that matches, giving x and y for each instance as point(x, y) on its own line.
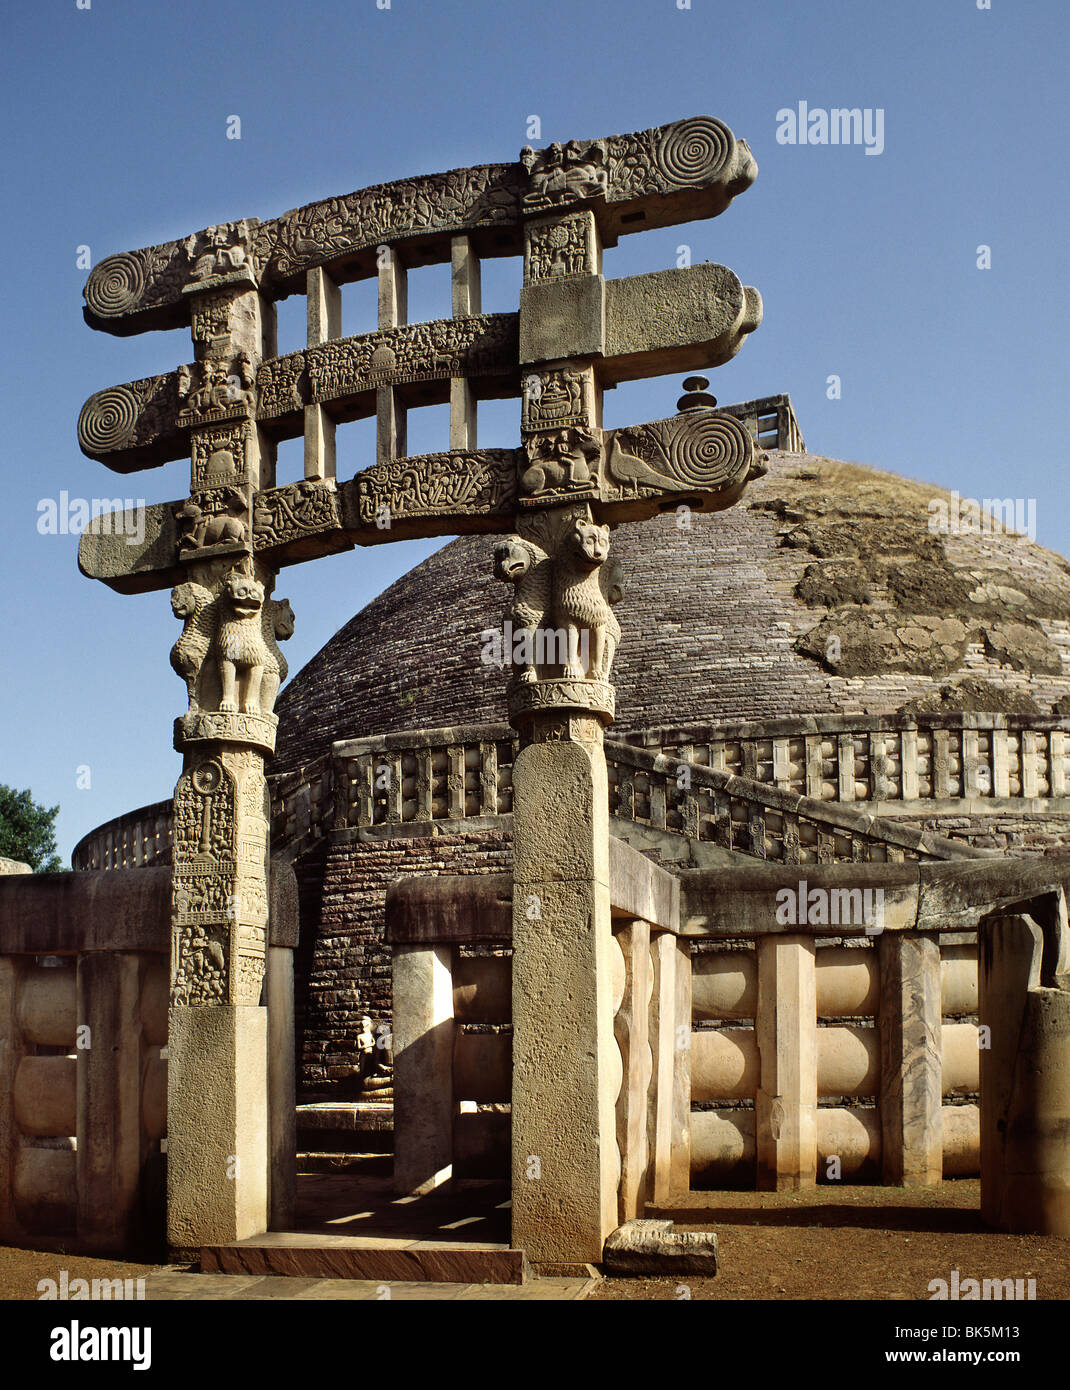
point(701, 458)
point(146, 423)
point(677, 320)
point(646, 325)
point(653, 178)
point(922, 897)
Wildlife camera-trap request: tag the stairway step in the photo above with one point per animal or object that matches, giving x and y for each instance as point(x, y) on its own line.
point(305, 1255)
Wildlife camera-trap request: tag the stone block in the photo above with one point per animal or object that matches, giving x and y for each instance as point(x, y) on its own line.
point(724, 985)
point(655, 1248)
point(48, 1006)
point(562, 318)
point(44, 1189)
point(217, 1102)
point(45, 1090)
point(910, 1060)
point(423, 1067)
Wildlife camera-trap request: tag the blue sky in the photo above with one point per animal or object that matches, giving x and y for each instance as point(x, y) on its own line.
point(115, 137)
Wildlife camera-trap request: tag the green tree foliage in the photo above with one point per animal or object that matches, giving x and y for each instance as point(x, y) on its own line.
point(28, 831)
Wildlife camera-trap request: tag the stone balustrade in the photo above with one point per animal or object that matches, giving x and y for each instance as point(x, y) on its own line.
point(894, 766)
point(975, 762)
point(843, 1050)
point(854, 1017)
point(84, 974)
point(451, 941)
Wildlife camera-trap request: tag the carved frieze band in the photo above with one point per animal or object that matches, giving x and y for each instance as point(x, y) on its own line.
point(149, 418)
point(452, 485)
point(700, 457)
point(481, 345)
point(698, 153)
point(219, 880)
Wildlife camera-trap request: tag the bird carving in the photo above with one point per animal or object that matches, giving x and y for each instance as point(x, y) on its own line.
point(632, 472)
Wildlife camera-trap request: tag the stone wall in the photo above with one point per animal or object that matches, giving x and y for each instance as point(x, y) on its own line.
point(343, 968)
point(1021, 836)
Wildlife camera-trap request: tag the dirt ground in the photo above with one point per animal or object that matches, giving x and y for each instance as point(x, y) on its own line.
point(21, 1270)
point(851, 1243)
point(829, 1243)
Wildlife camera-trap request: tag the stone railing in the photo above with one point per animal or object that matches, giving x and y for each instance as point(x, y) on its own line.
point(974, 761)
point(979, 763)
point(856, 985)
point(844, 1032)
point(451, 940)
point(131, 841)
point(842, 1049)
point(753, 818)
point(83, 1075)
point(439, 774)
point(771, 422)
point(84, 974)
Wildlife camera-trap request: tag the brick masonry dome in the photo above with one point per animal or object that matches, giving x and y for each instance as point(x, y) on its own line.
point(831, 589)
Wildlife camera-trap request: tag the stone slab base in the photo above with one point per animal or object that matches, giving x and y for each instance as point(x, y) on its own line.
point(361, 1116)
point(654, 1247)
point(343, 1257)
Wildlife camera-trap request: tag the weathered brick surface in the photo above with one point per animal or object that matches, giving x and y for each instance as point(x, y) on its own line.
point(343, 966)
point(1021, 836)
point(710, 620)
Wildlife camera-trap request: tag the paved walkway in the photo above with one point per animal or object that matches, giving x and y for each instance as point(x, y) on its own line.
point(167, 1283)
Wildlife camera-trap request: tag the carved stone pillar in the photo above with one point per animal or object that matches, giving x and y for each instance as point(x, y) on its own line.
point(566, 1065)
point(218, 1159)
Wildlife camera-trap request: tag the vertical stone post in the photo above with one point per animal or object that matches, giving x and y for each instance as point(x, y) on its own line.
point(12, 1050)
point(112, 1146)
point(786, 1026)
point(424, 1105)
point(631, 1030)
point(218, 1160)
point(566, 1066)
point(663, 955)
point(466, 296)
point(1025, 1082)
point(910, 1100)
point(680, 1157)
point(282, 1086)
point(393, 313)
point(324, 323)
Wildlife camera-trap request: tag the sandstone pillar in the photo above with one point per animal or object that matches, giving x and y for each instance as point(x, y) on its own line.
point(911, 1073)
point(631, 1030)
point(566, 1066)
point(680, 1155)
point(786, 1027)
point(12, 1050)
point(663, 1036)
point(1025, 1083)
point(113, 1148)
point(423, 1067)
point(218, 1159)
point(282, 1086)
